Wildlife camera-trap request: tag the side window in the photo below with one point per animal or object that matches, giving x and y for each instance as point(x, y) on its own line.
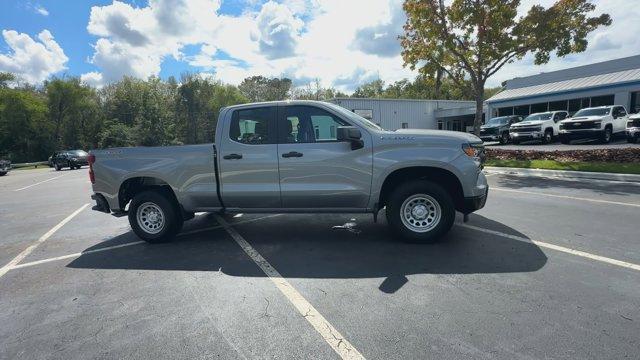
point(252, 126)
point(621, 112)
point(308, 124)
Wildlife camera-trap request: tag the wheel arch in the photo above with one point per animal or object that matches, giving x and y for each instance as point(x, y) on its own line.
point(443, 177)
point(137, 184)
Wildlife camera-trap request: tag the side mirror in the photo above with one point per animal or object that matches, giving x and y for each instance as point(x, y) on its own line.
point(351, 134)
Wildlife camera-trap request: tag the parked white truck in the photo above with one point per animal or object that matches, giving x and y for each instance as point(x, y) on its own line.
point(633, 128)
point(601, 123)
point(539, 126)
point(296, 157)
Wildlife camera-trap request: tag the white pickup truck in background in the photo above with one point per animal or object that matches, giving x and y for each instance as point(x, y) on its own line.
point(539, 126)
point(596, 122)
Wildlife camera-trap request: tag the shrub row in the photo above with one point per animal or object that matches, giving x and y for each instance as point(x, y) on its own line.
point(622, 155)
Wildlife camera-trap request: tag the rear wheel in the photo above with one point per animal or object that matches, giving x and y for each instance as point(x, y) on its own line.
point(153, 217)
point(420, 211)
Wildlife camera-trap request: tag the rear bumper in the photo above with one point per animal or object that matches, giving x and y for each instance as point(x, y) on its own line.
point(101, 204)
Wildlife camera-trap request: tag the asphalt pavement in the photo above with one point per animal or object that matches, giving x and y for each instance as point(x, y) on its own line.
point(550, 268)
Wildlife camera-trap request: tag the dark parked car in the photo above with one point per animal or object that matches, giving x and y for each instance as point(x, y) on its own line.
point(73, 159)
point(5, 166)
point(497, 129)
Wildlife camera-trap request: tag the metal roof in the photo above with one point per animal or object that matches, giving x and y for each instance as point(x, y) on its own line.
point(614, 78)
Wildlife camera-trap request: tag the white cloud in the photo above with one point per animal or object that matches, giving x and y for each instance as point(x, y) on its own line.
point(41, 10)
point(277, 31)
point(606, 43)
point(33, 61)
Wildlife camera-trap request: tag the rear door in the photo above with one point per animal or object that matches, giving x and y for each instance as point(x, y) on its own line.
point(316, 170)
point(249, 159)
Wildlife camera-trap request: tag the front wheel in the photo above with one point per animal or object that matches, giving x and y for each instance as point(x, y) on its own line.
point(153, 217)
point(57, 167)
point(420, 211)
point(504, 138)
point(548, 137)
point(606, 136)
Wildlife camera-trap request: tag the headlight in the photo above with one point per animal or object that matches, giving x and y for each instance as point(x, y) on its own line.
point(597, 123)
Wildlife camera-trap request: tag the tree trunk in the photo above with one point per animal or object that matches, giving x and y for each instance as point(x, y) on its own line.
point(477, 122)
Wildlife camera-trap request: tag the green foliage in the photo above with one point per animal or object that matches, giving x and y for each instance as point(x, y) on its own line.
point(423, 87)
point(260, 88)
point(469, 41)
point(314, 91)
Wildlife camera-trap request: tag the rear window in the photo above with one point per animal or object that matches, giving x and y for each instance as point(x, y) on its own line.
point(253, 126)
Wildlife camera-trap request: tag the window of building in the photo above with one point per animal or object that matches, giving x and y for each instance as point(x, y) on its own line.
point(405, 125)
point(251, 126)
point(522, 110)
point(586, 102)
point(574, 105)
point(635, 103)
point(540, 107)
point(440, 125)
point(602, 100)
point(505, 111)
point(558, 105)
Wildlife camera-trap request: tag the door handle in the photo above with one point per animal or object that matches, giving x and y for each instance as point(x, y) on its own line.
point(292, 154)
point(233, 157)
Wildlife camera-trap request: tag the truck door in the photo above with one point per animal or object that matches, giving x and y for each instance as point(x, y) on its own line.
point(249, 159)
point(619, 115)
point(317, 171)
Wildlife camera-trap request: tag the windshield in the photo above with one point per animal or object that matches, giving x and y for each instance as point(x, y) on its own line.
point(593, 112)
point(541, 116)
point(498, 121)
point(353, 116)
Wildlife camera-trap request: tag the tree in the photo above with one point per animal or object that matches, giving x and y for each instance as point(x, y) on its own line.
point(373, 89)
point(6, 78)
point(260, 88)
point(471, 40)
point(314, 91)
point(23, 125)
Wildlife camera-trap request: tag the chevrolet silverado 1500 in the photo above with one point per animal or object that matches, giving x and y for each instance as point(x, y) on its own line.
point(296, 157)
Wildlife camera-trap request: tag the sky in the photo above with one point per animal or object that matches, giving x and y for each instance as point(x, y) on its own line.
point(344, 43)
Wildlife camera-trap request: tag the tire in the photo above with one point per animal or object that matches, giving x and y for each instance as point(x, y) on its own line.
point(57, 167)
point(160, 213)
point(565, 140)
point(425, 193)
point(605, 138)
point(504, 138)
point(548, 137)
point(3, 173)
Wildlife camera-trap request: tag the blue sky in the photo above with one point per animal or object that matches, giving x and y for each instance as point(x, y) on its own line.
point(342, 43)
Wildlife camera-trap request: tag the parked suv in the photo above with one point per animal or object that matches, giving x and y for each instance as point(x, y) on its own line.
point(596, 123)
point(633, 128)
point(5, 166)
point(540, 126)
point(73, 159)
point(497, 129)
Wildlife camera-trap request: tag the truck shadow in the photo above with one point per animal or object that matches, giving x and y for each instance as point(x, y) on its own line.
point(306, 246)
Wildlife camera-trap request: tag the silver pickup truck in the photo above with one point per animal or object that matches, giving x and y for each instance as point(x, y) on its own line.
point(296, 157)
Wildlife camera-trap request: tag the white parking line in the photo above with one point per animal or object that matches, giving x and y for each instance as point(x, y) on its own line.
point(106, 248)
point(38, 183)
point(565, 197)
point(42, 239)
point(563, 249)
point(337, 342)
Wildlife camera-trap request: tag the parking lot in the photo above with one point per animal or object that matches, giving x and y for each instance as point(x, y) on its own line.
point(616, 143)
point(548, 269)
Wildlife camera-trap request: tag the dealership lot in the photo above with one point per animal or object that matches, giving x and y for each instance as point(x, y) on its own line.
point(550, 268)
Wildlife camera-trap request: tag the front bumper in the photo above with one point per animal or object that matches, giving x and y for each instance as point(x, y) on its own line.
point(537, 135)
point(586, 133)
point(489, 137)
point(474, 203)
point(633, 132)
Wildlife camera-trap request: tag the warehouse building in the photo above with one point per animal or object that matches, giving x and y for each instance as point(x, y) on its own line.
point(615, 82)
point(394, 114)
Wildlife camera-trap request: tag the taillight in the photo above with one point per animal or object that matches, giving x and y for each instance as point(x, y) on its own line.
point(92, 177)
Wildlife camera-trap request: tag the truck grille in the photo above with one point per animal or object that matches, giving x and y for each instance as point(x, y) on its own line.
point(491, 131)
point(580, 125)
point(633, 123)
point(525, 129)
